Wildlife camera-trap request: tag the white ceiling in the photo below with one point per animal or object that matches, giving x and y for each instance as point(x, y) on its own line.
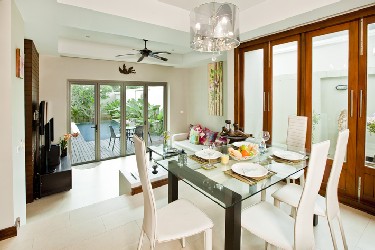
point(103, 29)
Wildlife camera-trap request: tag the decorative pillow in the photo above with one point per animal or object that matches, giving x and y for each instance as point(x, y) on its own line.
point(194, 137)
point(207, 137)
point(190, 127)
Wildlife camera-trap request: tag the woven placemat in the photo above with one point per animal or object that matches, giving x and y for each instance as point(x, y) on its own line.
point(289, 162)
point(203, 161)
point(248, 180)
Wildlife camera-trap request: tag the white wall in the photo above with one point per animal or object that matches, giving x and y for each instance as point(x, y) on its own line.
point(12, 170)
point(18, 120)
point(6, 145)
point(56, 71)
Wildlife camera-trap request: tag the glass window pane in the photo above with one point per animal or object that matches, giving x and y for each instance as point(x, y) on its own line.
point(330, 58)
point(110, 119)
point(284, 89)
point(82, 115)
point(155, 114)
point(134, 116)
point(370, 126)
point(253, 87)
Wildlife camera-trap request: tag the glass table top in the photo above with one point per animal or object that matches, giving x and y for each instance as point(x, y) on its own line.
point(224, 189)
point(159, 149)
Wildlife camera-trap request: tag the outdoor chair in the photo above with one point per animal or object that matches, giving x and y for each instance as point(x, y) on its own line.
point(114, 136)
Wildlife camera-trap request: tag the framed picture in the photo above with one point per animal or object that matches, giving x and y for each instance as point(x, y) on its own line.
point(20, 63)
point(215, 88)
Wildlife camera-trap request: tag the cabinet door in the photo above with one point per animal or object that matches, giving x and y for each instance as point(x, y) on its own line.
point(332, 77)
point(366, 114)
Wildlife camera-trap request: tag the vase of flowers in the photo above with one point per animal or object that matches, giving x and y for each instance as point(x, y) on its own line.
point(166, 136)
point(64, 143)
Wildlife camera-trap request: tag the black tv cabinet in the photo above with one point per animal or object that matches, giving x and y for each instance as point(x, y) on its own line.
point(57, 181)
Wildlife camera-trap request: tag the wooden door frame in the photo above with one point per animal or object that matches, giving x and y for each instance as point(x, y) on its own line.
point(349, 165)
point(362, 114)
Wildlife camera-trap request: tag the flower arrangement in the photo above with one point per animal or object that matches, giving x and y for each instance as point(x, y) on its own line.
point(166, 136)
point(371, 124)
point(64, 140)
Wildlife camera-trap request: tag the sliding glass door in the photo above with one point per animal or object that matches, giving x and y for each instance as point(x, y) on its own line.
point(103, 112)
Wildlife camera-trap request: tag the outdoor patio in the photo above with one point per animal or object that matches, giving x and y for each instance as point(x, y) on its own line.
point(84, 151)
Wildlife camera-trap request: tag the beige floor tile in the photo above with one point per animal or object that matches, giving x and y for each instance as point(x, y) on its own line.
point(367, 240)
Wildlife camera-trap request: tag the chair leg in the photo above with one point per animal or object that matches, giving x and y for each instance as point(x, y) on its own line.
point(183, 242)
point(208, 239)
point(114, 142)
point(293, 212)
point(263, 195)
point(141, 240)
point(332, 234)
point(342, 232)
point(302, 180)
point(109, 143)
point(276, 202)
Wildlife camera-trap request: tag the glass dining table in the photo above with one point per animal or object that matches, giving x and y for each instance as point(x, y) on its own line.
point(223, 188)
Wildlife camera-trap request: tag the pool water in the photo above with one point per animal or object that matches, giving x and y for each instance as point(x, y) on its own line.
point(88, 133)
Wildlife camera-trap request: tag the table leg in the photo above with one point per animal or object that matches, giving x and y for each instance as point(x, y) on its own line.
point(172, 187)
point(150, 155)
point(233, 227)
point(315, 220)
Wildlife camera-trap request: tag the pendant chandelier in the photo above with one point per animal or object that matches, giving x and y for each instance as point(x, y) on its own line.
point(214, 27)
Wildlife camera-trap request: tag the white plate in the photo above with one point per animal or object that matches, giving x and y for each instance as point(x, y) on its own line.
point(204, 154)
point(289, 155)
point(239, 143)
point(249, 169)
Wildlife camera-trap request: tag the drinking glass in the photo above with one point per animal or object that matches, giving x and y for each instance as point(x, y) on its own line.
point(210, 153)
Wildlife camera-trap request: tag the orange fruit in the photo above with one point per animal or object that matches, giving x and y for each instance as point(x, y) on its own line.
point(245, 153)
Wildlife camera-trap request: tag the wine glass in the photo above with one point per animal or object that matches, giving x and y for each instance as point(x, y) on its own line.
point(266, 135)
point(210, 153)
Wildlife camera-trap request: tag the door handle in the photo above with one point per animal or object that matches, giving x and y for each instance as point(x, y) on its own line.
point(95, 127)
point(351, 103)
point(360, 102)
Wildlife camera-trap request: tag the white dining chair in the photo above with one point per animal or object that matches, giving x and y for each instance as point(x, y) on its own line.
point(326, 207)
point(279, 229)
point(296, 140)
point(177, 220)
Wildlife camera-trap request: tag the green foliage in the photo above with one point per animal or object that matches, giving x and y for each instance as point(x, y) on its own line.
point(82, 103)
point(113, 109)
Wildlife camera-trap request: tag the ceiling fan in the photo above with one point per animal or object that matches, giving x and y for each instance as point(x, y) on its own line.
point(149, 53)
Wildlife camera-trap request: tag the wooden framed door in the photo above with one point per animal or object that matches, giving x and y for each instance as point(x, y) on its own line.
point(252, 111)
point(332, 91)
point(284, 87)
point(366, 114)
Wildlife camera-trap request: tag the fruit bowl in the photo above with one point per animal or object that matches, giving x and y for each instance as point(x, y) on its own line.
point(245, 152)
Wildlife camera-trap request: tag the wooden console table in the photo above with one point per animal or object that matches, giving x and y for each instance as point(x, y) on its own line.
point(58, 181)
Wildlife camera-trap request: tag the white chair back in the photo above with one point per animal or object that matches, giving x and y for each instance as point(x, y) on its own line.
point(149, 219)
point(296, 134)
point(332, 201)
point(303, 228)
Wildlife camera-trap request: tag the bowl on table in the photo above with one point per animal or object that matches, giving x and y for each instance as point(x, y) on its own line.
point(245, 151)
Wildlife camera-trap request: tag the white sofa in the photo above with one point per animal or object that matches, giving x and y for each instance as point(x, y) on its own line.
point(180, 141)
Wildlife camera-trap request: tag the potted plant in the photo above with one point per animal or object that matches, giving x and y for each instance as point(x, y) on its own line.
point(166, 136)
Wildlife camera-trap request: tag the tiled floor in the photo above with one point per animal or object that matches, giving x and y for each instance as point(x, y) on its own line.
point(92, 216)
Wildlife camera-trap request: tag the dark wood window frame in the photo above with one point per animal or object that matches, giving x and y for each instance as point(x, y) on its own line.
point(352, 20)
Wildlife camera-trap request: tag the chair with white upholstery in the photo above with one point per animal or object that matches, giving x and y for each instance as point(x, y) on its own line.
point(296, 140)
point(177, 220)
point(279, 229)
point(329, 206)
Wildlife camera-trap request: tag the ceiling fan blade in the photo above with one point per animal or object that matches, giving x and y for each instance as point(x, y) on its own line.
point(141, 58)
point(159, 57)
point(161, 52)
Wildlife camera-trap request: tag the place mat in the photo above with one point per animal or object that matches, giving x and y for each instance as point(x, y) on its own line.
point(249, 180)
point(290, 162)
point(204, 161)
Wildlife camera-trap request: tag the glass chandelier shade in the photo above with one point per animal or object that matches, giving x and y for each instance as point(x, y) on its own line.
point(214, 27)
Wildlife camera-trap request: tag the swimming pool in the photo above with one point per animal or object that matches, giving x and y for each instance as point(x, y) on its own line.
point(88, 133)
